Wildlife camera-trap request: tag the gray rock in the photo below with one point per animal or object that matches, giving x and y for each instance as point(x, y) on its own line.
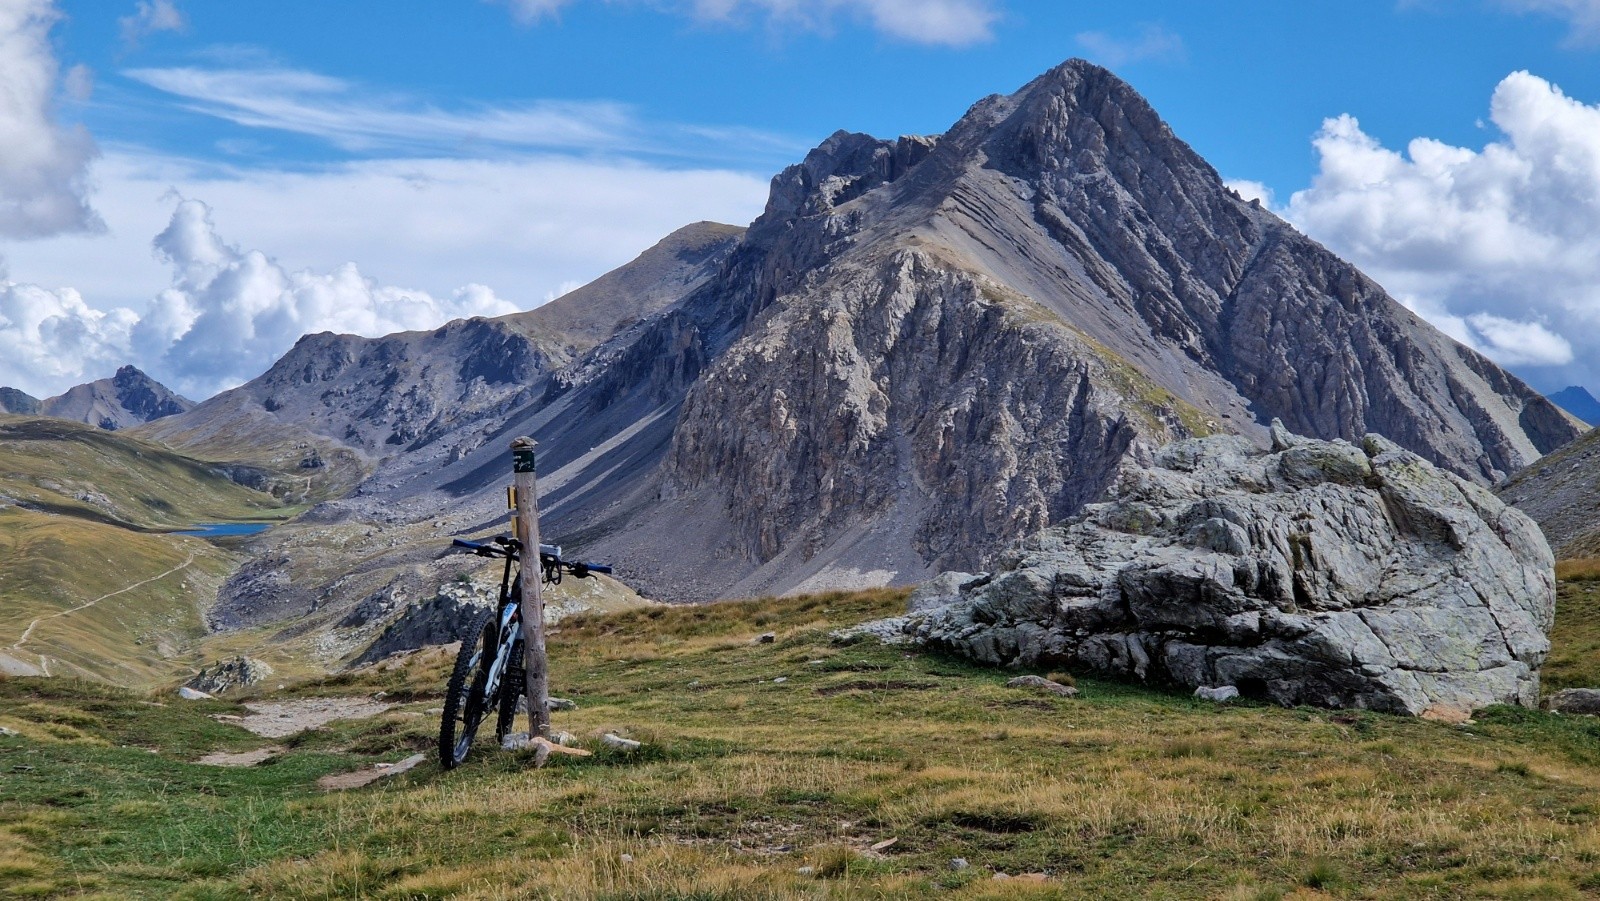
point(959, 863)
point(1319, 573)
point(766, 638)
point(190, 694)
point(441, 619)
point(1043, 684)
point(1576, 700)
point(622, 744)
point(1220, 693)
point(8, 732)
point(562, 703)
point(940, 590)
point(227, 675)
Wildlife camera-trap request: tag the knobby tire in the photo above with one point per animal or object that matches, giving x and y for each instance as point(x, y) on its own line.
point(464, 703)
point(513, 685)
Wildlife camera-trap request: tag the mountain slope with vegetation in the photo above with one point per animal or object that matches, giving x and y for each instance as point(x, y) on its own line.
point(772, 770)
point(96, 578)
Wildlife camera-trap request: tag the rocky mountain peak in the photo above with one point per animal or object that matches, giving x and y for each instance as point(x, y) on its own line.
point(13, 400)
point(128, 398)
point(145, 397)
point(840, 169)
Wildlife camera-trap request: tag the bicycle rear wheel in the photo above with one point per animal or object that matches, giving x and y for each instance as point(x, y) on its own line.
point(465, 702)
point(512, 687)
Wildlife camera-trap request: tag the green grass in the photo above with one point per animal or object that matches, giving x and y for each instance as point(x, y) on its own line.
point(1574, 660)
point(1123, 792)
point(75, 470)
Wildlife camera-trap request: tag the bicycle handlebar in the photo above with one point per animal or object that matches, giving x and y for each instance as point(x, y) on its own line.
point(549, 555)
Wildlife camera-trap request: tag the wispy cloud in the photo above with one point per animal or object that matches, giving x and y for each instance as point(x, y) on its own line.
point(149, 17)
point(1153, 42)
point(1582, 15)
point(340, 112)
point(951, 23)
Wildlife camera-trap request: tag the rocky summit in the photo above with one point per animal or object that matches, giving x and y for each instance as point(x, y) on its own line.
point(128, 398)
point(922, 350)
point(1317, 572)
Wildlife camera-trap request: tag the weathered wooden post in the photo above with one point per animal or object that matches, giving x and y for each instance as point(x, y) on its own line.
point(525, 484)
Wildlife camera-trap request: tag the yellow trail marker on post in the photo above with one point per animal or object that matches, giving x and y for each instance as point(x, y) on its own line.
point(525, 497)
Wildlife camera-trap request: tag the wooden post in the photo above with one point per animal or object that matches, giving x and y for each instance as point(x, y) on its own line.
point(525, 482)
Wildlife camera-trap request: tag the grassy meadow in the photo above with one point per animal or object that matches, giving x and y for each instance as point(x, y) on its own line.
point(95, 581)
point(743, 782)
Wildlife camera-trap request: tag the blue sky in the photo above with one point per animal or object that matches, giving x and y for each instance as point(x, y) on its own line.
point(211, 179)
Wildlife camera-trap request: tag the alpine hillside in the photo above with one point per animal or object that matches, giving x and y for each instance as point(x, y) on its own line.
point(923, 348)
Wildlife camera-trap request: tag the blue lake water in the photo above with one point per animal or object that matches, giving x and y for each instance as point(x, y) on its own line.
point(226, 529)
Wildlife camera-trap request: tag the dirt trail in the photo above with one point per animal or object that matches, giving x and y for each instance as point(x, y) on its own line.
point(28, 632)
point(278, 719)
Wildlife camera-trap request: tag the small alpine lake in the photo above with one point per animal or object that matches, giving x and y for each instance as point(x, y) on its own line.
point(226, 529)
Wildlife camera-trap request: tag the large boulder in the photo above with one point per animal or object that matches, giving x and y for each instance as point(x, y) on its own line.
point(226, 675)
point(1315, 572)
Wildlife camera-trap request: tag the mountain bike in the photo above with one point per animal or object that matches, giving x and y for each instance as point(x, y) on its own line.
point(489, 675)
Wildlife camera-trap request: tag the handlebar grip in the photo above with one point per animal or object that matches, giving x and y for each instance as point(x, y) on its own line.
point(469, 545)
point(598, 568)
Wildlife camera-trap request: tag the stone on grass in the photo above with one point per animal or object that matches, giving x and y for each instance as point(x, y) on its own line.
point(226, 675)
point(1219, 693)
point(1043, 684)
point(190, 694)
point(563, 704)
point(959, 863)
point(612, 740)
point(766, 638)
point(1317, 572)
point(1576, 700)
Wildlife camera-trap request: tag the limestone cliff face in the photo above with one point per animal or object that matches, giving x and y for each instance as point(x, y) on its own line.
point(915, 391)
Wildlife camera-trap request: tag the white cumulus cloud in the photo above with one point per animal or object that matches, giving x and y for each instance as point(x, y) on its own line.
point(50, 338)
point(42, 162)
point(228, 314)
point(1498, 246)
point(953, 23)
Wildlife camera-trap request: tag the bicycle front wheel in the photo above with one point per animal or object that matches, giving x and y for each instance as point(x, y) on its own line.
point(465, 701)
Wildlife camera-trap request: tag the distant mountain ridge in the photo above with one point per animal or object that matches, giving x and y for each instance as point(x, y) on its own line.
point(128, 398)
point(1577, 400)
point(923, 348)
